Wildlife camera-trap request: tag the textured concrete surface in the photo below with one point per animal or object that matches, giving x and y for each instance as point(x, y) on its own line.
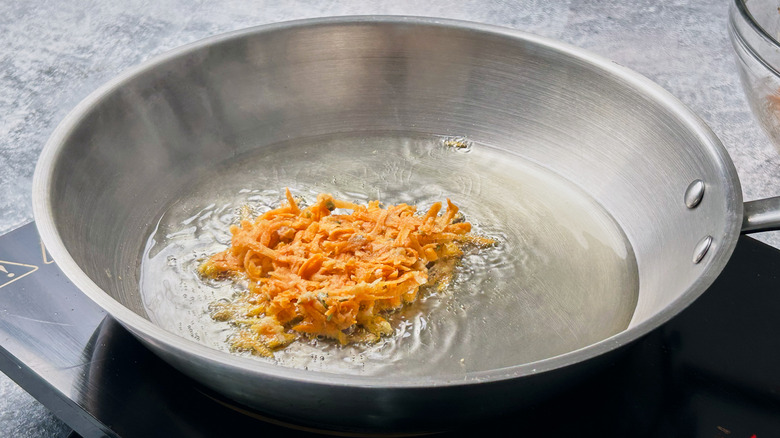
point(52, 54)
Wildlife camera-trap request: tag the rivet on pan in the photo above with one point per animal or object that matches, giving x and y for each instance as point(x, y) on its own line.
point(701, 249)
point(694, 193)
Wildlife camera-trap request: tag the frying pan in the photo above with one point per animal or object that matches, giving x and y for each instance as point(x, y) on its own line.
point(135, 146)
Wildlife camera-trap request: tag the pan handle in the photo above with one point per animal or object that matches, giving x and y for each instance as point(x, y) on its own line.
point(761, 215)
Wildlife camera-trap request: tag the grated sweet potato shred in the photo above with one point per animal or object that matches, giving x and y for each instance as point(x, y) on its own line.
point(312, 272)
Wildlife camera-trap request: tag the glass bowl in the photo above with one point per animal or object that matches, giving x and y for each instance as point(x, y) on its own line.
point(754, 30)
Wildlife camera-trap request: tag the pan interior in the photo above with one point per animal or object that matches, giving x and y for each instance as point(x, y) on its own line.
point(562, 276)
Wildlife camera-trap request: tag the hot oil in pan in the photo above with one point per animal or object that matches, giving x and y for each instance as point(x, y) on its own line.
point(562, 276)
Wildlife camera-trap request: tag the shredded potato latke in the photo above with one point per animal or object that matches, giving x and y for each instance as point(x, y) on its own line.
point(321, 274)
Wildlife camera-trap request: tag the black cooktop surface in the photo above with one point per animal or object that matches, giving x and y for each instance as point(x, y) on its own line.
point(713, 371)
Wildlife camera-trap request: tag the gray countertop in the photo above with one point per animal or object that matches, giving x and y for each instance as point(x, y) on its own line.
point(54, 53)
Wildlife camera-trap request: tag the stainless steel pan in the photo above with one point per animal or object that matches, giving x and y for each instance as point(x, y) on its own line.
point(134, 146)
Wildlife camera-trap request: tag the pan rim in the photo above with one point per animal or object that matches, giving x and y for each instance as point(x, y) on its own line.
point(720, 252)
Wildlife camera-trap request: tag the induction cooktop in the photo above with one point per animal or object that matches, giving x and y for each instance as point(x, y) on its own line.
point(713, 371)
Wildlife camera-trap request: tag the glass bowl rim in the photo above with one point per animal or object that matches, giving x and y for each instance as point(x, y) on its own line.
point(751, 21)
